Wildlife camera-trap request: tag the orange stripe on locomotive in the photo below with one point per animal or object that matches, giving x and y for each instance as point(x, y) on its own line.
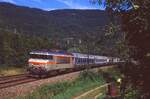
point(56, 60)
point(40, 63)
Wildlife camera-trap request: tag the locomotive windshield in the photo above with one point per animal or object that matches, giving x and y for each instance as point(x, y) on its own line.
point(37, 56)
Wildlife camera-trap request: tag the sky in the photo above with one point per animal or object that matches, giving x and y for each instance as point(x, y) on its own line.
point(56, 4)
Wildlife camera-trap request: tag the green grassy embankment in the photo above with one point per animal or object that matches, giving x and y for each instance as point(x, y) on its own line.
point(69, 90)
point(100, 91)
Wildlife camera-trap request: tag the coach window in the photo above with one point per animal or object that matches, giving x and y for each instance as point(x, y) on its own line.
point(92, 60)
point(79, 60)
point(82, 60)
point(89, 60)
point(86, 60)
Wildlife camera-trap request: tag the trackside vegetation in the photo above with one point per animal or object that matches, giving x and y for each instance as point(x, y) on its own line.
point(67, 90)
point(86, 81)
point(113, 72)
point(11, 70)
point(101, 97)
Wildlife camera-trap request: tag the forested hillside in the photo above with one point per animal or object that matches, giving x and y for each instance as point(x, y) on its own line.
point(24, 29)
point(57, 22)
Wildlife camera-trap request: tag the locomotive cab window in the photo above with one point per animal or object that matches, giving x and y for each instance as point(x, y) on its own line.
point(37, 56)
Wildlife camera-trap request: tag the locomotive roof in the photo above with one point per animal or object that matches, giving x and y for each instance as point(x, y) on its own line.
point(57, 53)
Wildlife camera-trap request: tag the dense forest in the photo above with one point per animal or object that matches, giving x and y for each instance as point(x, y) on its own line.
point(15, 47)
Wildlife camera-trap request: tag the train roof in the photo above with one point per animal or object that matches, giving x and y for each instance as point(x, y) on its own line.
point(66, 54)
point(99, 57)
point(55, 53)
point(79, 55)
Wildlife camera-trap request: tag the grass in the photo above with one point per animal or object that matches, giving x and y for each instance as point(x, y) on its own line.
point(67, 90)
point(102, 96)
point(94, 93)
point(7, 71)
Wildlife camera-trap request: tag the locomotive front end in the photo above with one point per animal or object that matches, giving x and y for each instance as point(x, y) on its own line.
point(37, 67)
point(38, 63)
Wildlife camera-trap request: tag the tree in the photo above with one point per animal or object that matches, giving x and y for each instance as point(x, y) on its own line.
point(135, 22)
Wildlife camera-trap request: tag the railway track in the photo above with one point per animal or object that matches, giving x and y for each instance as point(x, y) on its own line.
point(9, 81)
point(12, 76)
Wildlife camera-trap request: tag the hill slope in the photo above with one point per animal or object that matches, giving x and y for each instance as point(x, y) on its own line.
point(57, 22)
point(24, 29)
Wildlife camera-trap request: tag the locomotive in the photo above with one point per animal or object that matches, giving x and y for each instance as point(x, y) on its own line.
point(42, 62)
